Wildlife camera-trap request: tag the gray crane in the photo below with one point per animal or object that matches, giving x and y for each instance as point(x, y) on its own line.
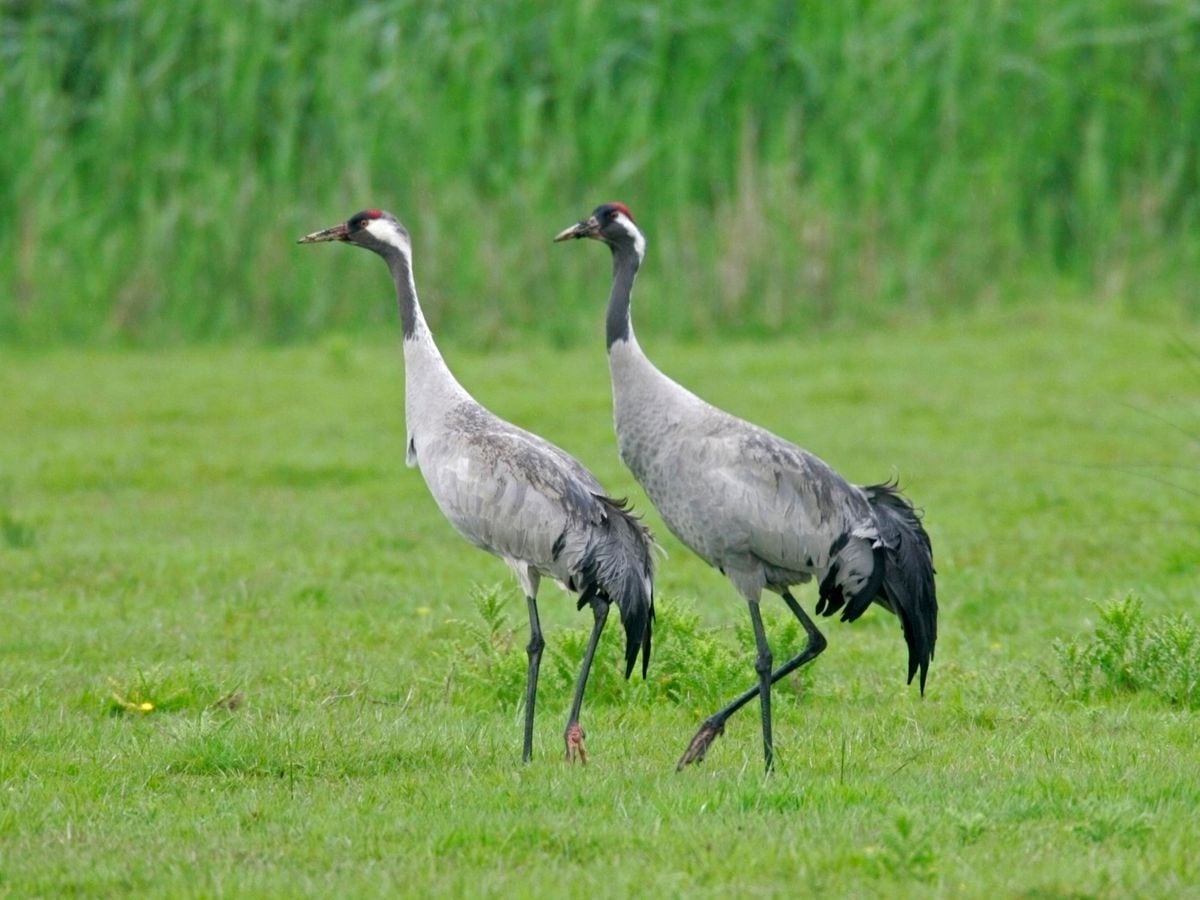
point(510, 492)
point(761, 510)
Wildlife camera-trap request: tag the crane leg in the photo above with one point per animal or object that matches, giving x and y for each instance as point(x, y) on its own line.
point(762, 665)
point(574, 734)
point(536, 643)
point(713, 726)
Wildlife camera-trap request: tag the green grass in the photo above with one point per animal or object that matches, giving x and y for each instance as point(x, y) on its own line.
point(231, 536)
point(791, 163)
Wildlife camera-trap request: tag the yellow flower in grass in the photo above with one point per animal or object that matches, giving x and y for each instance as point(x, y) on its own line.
point(144, 706)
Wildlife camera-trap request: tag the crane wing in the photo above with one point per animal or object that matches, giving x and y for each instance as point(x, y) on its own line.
point(774, 500)
point(504, 489)
point(522, 498)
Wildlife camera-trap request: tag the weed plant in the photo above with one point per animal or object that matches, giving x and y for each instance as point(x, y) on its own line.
point(1129, 652)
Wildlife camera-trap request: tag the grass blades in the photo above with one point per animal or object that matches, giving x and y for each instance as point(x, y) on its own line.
point(230, 537)
point(791, 164)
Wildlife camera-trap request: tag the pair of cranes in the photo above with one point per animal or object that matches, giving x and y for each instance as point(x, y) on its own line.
point(761, 510)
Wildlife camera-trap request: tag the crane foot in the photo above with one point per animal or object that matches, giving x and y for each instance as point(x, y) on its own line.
point(709, 732)
point(575, 748)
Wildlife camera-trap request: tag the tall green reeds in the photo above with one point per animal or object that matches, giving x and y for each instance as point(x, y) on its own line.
point(792, 163)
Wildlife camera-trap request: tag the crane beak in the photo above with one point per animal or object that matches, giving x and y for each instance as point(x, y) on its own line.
point(336, 233)
point(588, 228)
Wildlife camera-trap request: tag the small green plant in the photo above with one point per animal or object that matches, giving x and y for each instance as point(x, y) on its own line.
point(164, 688)
point(485, 656)
point(905, 852)
point(1130, 652)
point(1127, 826)
point(702, 668)
point(691, 665)
point(17, 534)
point(970, 826)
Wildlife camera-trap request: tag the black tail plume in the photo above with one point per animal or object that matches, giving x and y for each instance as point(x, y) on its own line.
point(620, 567)
point(908, 578)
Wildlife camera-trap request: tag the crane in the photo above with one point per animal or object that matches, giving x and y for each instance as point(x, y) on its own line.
point(761, 510)
point(511, 492)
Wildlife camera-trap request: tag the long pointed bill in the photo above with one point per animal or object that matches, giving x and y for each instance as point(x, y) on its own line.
point(336, 233)
point(588, 228)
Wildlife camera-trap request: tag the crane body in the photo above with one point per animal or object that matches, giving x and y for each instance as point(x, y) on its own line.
point(761, 510)
point(511, 492)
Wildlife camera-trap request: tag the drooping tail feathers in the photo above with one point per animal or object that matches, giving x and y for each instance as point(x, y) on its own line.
point(908, 577)
point(619, 567)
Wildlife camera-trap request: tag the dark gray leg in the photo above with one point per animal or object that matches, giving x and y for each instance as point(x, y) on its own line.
point(536, 643)
point(715, 724)
point(574, 733)
point(762, 665)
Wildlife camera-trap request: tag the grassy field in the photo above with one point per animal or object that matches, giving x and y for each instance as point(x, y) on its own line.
point(864, 157)
point(243, 655)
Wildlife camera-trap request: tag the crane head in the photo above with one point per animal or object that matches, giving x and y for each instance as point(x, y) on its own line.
point(611, 223)
point(374, 229)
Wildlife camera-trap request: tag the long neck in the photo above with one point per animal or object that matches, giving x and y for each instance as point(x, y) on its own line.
point(429, 383)
point(637, 384)
point(411, 318)
point(625, 268)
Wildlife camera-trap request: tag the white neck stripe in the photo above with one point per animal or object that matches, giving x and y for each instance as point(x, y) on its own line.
point(639, 241)
point(386, 231)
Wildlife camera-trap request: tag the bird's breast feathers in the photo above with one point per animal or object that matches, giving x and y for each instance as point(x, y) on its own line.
point(505, 495)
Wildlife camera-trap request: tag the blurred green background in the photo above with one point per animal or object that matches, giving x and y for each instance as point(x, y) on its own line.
point(793, 164)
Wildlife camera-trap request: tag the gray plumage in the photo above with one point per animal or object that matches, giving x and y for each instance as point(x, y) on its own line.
point(510, 492)
point(525, 500)
point(763, 511)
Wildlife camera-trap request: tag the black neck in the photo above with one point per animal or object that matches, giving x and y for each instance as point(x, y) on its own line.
point(625, 267)
point(406, 295)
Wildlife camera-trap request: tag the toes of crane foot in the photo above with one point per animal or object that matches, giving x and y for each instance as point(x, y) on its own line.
point(699, 745)
point(575, 748)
